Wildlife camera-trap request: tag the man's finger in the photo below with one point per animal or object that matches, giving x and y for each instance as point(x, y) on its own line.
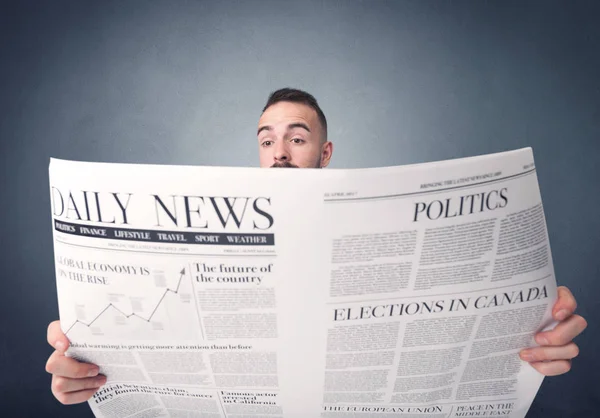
point(552, 368)
point(64, 384)
point(565, 352)
point(56, 338)
point(563, 333)
point(60, 365)
point(565, 304)
point(71, 398)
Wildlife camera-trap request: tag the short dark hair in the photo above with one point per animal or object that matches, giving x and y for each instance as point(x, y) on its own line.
point(298, 96)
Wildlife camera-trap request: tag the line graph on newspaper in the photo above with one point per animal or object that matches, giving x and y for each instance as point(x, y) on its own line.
point(133, 297)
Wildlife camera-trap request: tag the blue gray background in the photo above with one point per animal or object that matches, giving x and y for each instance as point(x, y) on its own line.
point(183, 82)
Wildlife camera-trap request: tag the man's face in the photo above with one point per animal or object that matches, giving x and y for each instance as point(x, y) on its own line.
point(290, 135)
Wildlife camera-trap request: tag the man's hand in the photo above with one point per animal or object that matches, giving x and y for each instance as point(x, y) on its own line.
point(72, 381)
point(556, 350)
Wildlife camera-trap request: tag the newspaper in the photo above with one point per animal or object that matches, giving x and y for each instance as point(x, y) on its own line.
point(244, 292)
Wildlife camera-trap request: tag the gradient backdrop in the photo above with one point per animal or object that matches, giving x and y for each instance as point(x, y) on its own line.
point(183, 82)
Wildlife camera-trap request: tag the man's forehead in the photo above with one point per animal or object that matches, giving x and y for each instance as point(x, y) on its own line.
point(288, 113)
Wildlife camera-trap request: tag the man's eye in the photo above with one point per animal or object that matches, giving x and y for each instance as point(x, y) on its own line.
point(267, 143)
point(297, 140)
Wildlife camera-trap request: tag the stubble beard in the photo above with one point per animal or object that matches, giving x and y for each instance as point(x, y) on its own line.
point(284, 164)
point(287, 164)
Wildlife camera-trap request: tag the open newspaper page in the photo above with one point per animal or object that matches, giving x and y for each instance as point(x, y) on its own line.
point(172, 279)
point(242, 292)
point(438, 276)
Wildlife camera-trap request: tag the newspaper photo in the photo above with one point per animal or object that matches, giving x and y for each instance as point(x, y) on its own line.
point(225, 292)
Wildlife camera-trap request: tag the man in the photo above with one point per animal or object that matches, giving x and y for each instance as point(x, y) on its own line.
point(292, 132)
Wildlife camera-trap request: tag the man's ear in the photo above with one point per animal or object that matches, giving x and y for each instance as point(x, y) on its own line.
point(326, 152)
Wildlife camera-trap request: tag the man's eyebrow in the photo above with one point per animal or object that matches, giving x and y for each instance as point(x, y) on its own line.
point(264, 128)
point(298, 125)
point(290, 126)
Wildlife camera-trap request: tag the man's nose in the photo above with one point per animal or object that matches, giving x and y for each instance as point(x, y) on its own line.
point(281, 151)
